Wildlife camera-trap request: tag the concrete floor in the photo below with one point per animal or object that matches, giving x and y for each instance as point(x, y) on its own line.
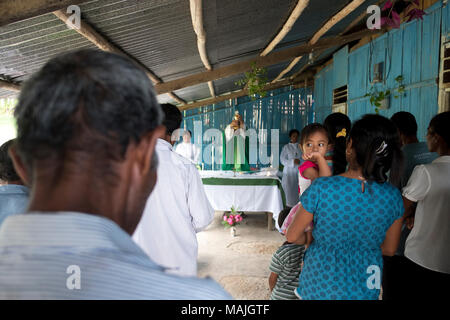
point(239, 264)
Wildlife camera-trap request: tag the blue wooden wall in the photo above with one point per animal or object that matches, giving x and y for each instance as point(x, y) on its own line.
point(413, 51)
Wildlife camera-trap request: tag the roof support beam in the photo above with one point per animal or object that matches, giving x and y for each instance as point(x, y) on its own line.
point(9, 86)
point(301, 5)
point(97, 39)
point(16, 10)
point(197, 23)
point(268, 60)
point(327, 26)
point(244, 92)
point(348, 28)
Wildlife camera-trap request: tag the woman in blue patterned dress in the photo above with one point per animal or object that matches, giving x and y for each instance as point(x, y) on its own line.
point(357, 217)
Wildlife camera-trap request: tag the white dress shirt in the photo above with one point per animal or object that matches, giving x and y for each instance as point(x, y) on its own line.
point(176, 210)
point(428, 244)
point(290, 152)
point(188, 150)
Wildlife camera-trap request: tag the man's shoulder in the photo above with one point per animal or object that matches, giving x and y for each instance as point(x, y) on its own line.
point(154, 283)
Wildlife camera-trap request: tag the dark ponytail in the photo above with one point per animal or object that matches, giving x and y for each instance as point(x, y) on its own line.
point(335, 124)
point(377, 145)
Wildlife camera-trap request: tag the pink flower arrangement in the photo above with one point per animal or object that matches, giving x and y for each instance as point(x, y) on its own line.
point(232, 219)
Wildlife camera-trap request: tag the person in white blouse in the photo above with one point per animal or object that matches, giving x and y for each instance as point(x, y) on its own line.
point(290, 158)
point(188, 149)
point(177, 208)
point(427, 206)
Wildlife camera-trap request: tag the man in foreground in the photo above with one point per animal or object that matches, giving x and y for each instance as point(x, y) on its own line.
point(88, 123)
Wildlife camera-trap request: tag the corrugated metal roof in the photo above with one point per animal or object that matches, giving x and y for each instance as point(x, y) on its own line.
point(160, 35)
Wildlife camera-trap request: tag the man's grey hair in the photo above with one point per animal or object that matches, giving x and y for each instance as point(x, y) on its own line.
point(89, 100)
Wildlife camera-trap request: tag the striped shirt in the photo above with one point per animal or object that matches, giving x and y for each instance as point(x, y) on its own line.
point(13, 200)
point(67, 255)
point(286, 263)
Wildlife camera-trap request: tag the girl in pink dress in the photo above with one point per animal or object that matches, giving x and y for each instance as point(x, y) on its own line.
point(314, 143)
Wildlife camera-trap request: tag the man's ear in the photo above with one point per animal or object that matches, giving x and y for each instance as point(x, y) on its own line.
point(19, 165)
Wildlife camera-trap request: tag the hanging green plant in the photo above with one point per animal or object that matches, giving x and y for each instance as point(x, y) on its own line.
point(379, 98)
point(255, 81)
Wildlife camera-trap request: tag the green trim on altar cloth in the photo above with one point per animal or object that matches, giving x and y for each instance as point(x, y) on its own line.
point(246, 182)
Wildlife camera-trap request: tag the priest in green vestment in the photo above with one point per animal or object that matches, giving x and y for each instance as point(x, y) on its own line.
point(235, 146)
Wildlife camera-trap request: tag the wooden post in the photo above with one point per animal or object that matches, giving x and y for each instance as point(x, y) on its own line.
point(327, 26)
point(299, 8)
point(9, 86)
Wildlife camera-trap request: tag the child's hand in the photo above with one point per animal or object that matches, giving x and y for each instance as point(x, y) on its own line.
point(313, 156)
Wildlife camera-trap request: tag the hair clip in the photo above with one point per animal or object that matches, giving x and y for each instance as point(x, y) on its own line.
point(342, 133)
point(381, 148)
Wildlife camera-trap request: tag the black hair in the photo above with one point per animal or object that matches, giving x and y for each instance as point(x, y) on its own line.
point(294, 131)
point(172, 119)
point(283, 215)
point(335, 123)
point(310, 129)
point(405, 122)
point(440, 124)
point(376, 142)
point(7, 171)
point(77, 101)
point(190, 133)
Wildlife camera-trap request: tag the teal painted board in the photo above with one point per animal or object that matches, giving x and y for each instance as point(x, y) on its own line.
point(394, 54)
point(412, 51)
point(328, 89)
point(323, 93)
point(377, 54)
point(340, 68)
point(319, 94)
point(430, 45)
point(357, 109)
point(358, 70)
point(427, 109)
point(445, 21)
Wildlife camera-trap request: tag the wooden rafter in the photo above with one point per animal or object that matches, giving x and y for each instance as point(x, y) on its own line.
point(244, 92)
point(270, 59)
point(16, 10)
point(327, 26)
point(101, 42)
point(9, 86)
point(296, 12)
point(197, 23)
point(347, 29)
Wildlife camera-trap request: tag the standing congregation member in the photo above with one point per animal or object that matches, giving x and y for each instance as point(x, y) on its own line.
point(177, 208)
point(414, 153)
point(338, 126)
point(290, 158)
point(13, 194)
point(187, 149)
point(357, 217)
point(285, 267)
point(85, 145)
point(427, 199)
point(314, 144)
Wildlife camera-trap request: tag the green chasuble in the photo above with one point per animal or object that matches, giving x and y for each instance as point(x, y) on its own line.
point(235, 153)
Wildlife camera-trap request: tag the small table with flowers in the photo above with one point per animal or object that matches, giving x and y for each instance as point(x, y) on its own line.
point(248, 192)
